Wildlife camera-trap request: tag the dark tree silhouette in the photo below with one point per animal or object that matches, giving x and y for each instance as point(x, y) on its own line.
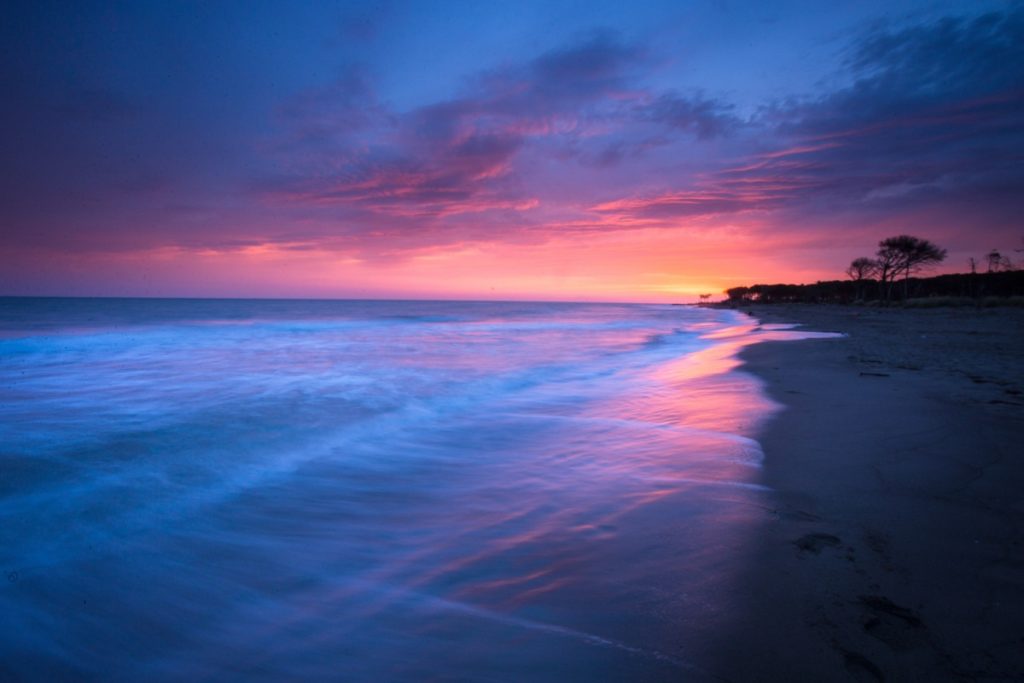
point(861, 269)
point(886, 267)
point(906, 254)
point(737, 294)
point(998, 263)
point(901, 255)
point(994, 259)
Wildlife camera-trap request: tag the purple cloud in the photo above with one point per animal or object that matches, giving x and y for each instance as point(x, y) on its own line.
point(461, 156)
point(931, 116)
point(926, 120)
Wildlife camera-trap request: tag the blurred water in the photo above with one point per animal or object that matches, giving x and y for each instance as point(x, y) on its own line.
point(371, 491)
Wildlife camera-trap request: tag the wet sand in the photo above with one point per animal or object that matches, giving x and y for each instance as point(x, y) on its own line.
point(895, 547)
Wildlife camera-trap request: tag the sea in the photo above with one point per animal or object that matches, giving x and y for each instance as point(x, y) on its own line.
point(271, 490)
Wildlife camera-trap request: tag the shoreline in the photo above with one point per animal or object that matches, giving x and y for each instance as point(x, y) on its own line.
point(895, 550)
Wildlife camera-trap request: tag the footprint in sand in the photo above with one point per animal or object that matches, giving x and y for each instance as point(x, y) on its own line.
point(862, 668)
point(898, 627)
point(815, 543)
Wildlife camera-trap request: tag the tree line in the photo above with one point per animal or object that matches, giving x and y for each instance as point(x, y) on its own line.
point(892, 275)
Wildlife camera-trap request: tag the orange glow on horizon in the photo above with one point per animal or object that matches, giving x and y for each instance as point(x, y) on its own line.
point(650, 264)
point(643, 265)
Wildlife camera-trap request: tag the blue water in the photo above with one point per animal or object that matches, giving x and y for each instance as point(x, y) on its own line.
point(371, 491)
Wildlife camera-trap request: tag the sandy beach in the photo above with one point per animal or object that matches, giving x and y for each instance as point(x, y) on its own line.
point(894, 551)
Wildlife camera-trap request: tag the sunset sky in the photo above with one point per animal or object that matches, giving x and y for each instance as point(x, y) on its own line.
point(637, 151)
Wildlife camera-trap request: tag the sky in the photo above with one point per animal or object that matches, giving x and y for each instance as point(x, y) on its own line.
point(641, 151)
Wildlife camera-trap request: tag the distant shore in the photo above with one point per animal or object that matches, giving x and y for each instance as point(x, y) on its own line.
point(895, 550)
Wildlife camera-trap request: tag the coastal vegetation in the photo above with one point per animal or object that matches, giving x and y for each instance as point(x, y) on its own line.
point(901, 259)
